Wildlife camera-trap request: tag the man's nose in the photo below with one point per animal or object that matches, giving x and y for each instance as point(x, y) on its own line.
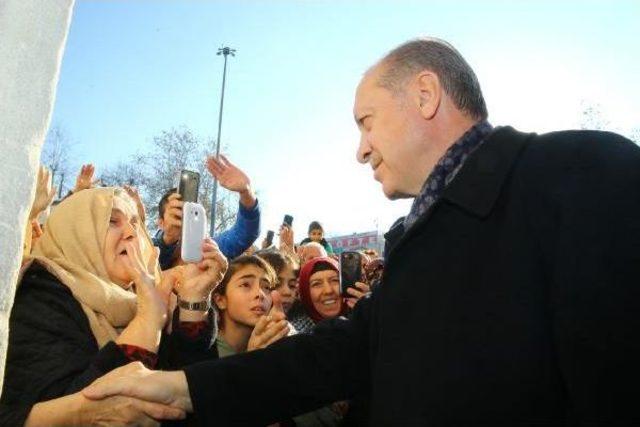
point(364, 149)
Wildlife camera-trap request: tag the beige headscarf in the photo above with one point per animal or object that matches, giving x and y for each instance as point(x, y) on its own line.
point(72, 248)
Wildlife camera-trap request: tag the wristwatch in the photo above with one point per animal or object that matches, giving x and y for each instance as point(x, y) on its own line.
point(203, 305)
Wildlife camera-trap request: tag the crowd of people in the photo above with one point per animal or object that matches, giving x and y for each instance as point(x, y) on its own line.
point(96, 292)
point(507, 296)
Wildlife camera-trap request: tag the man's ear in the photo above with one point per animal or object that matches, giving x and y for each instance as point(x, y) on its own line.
point(429, 93)
point(160, 223)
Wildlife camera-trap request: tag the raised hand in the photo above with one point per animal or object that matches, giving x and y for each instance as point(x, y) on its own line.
point(357, 294)
point(133, 193)
point(145, 328)
point(45, 192)
point(84, 180)
point(134, 380)
point(270, 328)
point(228, 175)
point(286, 240)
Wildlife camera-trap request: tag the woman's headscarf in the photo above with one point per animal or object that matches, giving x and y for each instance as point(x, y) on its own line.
point(72, 249)
point(305, 295)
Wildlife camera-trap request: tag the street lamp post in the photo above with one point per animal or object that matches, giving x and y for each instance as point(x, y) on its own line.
point(226, 51)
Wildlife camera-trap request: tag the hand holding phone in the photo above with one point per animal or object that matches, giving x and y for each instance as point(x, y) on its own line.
point(194, 231)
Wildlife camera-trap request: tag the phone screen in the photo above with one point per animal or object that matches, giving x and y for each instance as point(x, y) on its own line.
point(350, 270)
point(188, 186)
point(288, 220)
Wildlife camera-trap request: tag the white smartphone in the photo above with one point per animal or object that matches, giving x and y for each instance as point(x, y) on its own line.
point(194, 231)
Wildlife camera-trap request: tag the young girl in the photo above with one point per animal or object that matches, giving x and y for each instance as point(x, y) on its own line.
point(250, 312)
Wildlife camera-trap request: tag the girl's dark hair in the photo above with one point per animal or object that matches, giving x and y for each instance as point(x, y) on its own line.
point(315, 225)
point(278, 261)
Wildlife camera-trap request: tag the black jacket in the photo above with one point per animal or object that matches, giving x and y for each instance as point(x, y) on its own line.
point(514, 301)
point(52, 352)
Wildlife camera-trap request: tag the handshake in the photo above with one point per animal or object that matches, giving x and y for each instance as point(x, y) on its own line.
point(131, 395)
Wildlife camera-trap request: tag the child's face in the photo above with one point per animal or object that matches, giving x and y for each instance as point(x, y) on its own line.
point(316, 235)
point(247, 296)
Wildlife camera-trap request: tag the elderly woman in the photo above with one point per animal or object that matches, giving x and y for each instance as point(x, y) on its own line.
point(90, 299)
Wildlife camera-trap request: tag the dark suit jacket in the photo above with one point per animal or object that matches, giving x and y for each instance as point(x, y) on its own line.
point(514, 301)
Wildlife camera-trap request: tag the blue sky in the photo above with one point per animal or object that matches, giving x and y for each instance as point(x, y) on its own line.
point(134, 68)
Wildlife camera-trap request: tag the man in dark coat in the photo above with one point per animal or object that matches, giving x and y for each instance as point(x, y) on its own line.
point(511, 291)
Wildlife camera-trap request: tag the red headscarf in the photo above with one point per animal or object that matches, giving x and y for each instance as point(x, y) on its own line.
point(305, 295)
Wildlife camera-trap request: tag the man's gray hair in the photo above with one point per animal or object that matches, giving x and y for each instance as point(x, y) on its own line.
point(457, 78)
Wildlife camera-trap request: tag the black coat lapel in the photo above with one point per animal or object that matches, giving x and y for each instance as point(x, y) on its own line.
point(478, 184)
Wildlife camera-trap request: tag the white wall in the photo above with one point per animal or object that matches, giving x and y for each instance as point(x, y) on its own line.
point(33, 34)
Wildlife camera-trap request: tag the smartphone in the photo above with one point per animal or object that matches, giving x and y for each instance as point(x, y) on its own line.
point(288, 220)
point(350, 270)
point(194, 231)
point(270, 234)
point(188, 185)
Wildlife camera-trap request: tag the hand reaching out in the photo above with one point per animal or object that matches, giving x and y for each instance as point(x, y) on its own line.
point(45, 192)
point(270, 328)
point(84, 180)
point(134, 380)
point(228, 175)
point(133, 193)
point(232, 178)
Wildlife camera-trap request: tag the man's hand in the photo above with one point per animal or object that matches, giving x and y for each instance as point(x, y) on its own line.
point(84, 180)
point(134, 380)
point(77, 410)
point(357, 294)
point(232, 178)
point(270, 328)
point(172, 219)
point(124, 411)
point(45, 192)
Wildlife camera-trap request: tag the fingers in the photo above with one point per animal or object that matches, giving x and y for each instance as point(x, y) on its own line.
point(365, 288)
point(276, 306)
point(158, 411)
point(113, 383)
point(51, 195)
point(215, 166)
point(225, 161)
point(175, 205)
point(261, 326)
point(152, 264)
point(274, 332)
point(355, 293)
point(174, 196)
point(36, 229)
point(212, 256)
